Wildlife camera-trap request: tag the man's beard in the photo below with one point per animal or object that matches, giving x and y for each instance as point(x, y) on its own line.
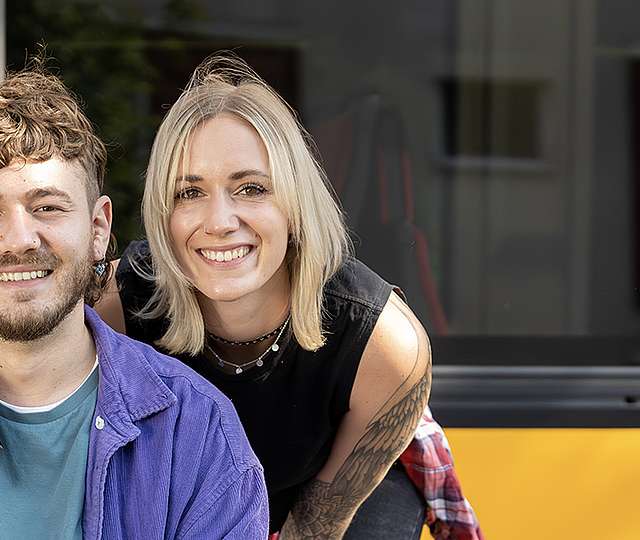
point(30, 323)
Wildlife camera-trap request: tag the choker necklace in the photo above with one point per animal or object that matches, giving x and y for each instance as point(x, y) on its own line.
point(259, 362)
point(250, 341)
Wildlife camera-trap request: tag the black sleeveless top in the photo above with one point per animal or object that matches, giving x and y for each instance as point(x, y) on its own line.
point(292, 406)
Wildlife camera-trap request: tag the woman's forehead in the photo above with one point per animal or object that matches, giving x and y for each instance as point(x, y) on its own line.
point(224, 144)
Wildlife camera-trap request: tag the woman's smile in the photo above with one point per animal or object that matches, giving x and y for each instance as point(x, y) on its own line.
point(227, 258)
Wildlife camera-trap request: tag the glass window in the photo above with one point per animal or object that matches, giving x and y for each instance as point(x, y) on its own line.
point(486, 152)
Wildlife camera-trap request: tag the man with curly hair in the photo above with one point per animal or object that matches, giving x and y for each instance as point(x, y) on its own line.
point(100, 436)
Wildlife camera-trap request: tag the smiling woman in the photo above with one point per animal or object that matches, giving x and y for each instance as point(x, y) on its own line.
point(223, 90)
point(247, 276)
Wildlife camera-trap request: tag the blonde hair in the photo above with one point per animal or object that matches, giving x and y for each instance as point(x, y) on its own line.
point(318, 237)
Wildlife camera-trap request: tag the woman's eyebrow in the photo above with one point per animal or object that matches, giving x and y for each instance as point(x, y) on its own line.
point(189, 178)
point(238, 175)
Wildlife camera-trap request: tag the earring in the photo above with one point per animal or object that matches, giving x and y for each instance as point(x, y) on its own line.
point(100, 268)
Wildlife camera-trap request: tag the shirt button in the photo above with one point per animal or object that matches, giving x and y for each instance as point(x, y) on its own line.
point(99, 422)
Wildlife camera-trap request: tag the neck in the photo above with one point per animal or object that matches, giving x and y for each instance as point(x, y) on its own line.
point(252, 315)
point(48, 369)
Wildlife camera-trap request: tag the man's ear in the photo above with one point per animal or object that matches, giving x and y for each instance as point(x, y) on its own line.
point(101, 223)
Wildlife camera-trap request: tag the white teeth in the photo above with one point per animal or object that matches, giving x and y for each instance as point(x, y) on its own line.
point(22, 276)
point(225, 256)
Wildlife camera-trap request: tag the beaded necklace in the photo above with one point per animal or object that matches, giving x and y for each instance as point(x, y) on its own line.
point(250, 341)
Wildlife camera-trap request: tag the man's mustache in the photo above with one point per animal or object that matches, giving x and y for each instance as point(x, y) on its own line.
point(41, 259)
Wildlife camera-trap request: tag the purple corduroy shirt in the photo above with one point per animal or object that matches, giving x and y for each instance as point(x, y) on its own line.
point(167, 455)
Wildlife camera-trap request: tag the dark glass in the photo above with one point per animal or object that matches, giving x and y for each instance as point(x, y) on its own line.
point(486, 153)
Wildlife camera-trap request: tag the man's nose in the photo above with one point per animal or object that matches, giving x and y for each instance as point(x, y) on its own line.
point(18, 233)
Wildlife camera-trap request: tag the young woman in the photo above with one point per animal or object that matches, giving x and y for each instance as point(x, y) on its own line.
point(247, 277)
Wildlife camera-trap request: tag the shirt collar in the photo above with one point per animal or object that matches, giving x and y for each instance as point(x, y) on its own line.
point(129, 388)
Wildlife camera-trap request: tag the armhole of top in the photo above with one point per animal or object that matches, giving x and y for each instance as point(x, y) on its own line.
point(133, 290)
point(348, 372)
point(400, 293)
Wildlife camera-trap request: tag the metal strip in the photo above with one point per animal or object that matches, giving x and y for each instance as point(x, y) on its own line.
point(536, 396)
point(546, 372)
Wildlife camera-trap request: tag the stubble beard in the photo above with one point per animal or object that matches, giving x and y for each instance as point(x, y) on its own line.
point(27, 323)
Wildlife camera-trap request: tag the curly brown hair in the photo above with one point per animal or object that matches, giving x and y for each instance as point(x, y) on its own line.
point(40, 119)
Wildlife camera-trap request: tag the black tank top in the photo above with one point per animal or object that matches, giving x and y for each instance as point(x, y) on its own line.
point(292, 406)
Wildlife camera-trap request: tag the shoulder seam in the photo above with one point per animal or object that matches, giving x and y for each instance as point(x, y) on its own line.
point(351, 298)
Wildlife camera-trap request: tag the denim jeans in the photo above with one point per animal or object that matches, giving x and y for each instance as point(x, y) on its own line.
point(394, 511)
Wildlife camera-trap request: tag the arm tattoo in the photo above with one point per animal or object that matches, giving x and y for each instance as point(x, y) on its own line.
point(325, 509)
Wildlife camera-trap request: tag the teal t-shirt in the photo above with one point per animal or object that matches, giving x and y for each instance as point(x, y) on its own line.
point(42, 468)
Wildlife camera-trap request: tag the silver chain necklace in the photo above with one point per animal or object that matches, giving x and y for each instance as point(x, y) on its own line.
point(259, 362)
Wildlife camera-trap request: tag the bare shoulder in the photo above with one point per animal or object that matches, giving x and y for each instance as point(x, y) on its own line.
point(397, 355)
point(109, 307)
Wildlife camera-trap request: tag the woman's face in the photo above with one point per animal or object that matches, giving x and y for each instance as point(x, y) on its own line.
point(228, 233)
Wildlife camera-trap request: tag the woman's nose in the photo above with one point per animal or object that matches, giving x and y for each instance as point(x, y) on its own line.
point(220, 216)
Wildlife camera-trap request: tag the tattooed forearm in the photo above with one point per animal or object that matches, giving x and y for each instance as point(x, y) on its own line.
point(318, 514)
point(385, 438)
point(325, 509)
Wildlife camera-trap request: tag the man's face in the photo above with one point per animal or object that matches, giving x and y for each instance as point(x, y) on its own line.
point(49, 240)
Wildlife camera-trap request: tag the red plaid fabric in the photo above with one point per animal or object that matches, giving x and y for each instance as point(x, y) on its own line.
point(429, 464)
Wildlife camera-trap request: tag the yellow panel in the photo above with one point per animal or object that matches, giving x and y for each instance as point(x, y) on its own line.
point(547, 484)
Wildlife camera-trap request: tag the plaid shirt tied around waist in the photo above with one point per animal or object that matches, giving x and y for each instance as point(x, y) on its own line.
point(429, 463)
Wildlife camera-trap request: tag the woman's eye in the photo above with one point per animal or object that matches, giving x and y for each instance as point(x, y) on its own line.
point(252, 190)
point(187, 193)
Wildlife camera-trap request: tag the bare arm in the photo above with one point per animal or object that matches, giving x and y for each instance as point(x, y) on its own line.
point(110, 307)
point(389, 395)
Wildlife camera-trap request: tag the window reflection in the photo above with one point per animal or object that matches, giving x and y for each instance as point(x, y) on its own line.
point(484, 151)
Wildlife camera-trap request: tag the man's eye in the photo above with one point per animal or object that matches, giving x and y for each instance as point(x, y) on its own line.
point(47, 208)
point(252, 190)
point(187, 193)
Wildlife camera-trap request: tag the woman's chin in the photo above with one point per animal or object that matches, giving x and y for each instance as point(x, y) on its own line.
point(229, 293)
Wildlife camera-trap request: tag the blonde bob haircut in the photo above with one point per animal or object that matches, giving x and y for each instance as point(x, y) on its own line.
point(318, 240)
